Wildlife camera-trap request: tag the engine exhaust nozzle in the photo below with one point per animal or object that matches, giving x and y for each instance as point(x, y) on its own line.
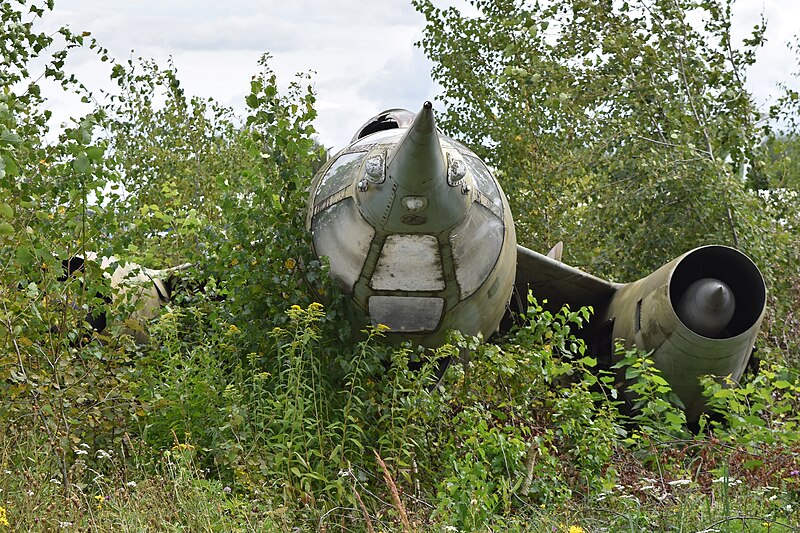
point(707, 307)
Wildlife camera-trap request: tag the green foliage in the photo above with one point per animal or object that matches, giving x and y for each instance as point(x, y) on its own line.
point(779, 168)
point(174, 157)
point(626, 131)
point(184, 384)
point(763, 412)
point(528, 420)
point(621, 129)
point(655, 408)
point(255, 407)
point(51, 381)
point(158, 492)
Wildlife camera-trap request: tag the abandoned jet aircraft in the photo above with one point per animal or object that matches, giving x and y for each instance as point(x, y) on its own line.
point(145, 290)
point(420, 236)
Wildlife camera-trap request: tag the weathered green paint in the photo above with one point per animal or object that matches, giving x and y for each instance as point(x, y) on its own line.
point(644, 316)
point(420, 235)
point(416, 192)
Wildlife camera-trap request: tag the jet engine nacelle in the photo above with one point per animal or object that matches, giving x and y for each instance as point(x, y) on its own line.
point(698, 314)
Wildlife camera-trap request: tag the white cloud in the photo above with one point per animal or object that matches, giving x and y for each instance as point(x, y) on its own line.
point(362, 53)
point(775, 62)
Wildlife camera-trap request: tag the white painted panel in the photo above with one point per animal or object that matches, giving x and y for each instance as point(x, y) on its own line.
point(409, 263)
point(406, 313)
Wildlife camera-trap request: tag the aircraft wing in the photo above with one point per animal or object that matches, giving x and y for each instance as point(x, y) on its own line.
point(558, 283)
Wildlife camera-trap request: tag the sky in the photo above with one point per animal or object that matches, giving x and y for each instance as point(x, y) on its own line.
point(361, 53)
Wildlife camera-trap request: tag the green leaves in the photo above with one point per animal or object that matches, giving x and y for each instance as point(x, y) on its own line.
point(598, 137)
point(24, 256)
point(621, 133)
point(655, 409)
point(8, 137)
point(81, 164)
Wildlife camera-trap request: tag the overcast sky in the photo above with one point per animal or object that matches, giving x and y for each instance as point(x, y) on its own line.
point(361, 52)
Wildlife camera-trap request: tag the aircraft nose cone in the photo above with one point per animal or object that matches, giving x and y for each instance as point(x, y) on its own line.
point(424, 122)
point(417, 195)
point(706, 307)
point(417, 163)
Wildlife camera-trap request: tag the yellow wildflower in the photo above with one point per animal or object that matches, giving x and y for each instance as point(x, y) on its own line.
point(99, 500)
point(183, 446)
point(4, 517)
point(576, 529)
point(290, 264)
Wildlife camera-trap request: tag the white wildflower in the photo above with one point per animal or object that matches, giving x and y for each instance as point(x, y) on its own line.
point(728, 480)
point(102, 454)
point(676, 482)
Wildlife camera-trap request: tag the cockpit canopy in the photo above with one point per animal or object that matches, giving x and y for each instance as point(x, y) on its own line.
point(387, 120)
